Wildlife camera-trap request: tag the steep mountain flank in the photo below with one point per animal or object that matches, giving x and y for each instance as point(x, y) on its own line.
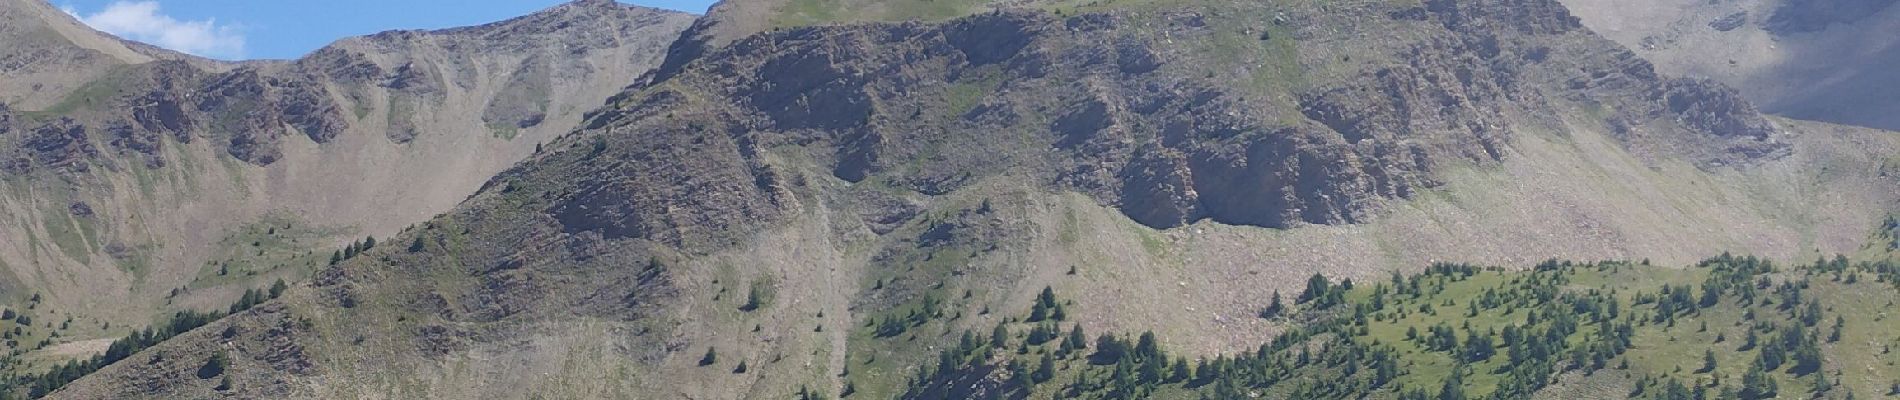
point(1824, 60)
point(139, 181)
point(1309, 136)
point(48, 53)
point(823, 207)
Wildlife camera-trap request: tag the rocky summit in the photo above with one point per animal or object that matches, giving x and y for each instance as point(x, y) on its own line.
point(955, 199)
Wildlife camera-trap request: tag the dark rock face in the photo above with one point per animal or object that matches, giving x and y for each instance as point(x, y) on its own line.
point(1136, 58)
point(988, 40)
point(80, 209)
point(1711, 108)
point(1733, 131)
point(1082, 124)
point(1802, 16)
point(415, 79)
point(250, 109)
point(343, 66)
point(128, 139)
point(257, 110)
point(1166, 149)
point(1730, 22)
point(164, 112)
point(812, 91)
point(61, 145)
point(412, 86)
point(1537, 17)
point(1158, 190)
point(6, 119)
point(686, 186)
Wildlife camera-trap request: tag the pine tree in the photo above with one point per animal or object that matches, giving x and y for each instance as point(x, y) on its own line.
point(1046, 370)
point(1807, 358)
point(1274, 308)
point(1180, 372)
point(1316, 287)
point(1756, 384)
point(1019, 375)
point(753, 299)
point(1147, 348)
point(1454, 388)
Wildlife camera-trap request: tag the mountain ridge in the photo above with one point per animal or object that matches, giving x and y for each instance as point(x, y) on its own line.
point(821, 206)
point(144, 188)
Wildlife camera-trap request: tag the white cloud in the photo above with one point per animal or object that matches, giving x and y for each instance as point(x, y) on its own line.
point(142, 21)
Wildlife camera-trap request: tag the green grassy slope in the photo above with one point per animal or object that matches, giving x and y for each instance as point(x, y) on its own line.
point(1728, 327)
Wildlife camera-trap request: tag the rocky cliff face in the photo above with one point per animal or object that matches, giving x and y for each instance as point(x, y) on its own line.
point(1170, 148)
point(406, 75)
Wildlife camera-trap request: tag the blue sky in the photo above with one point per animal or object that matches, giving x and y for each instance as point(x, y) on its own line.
point(282, 29)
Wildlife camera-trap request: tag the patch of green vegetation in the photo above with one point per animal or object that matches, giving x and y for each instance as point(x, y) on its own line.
point(917, 307)
point(891, 340)
point(759, 295)
point(798, 13)
point(1884, 243)
point(1728, 327)
point(360, 105)
point(1066, 7)
point(97, 93)
point(969, 90)
point(1267, 51)
point(1070, 231)
point(230, 119)
point(929, 10)
point(278, 246)
point(35, 385)
point(147, 182)
point(137, 260)
point(234, 169)
point(73, 236)
point(402, 112)
point(1279, 67)
point(504, 131)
